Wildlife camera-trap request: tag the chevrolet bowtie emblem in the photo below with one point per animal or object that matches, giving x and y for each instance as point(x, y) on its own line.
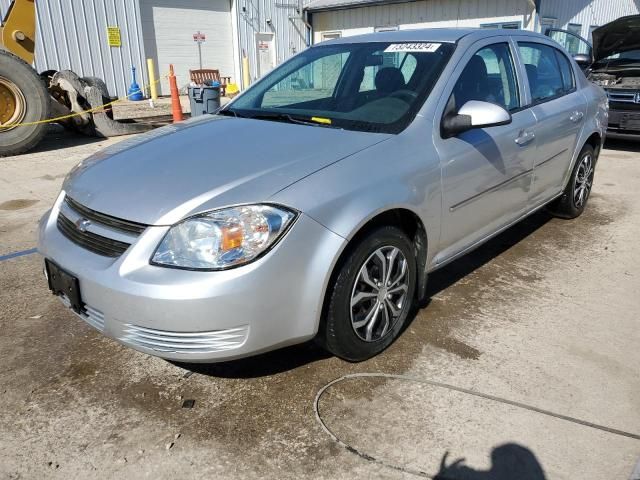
point(82, 224)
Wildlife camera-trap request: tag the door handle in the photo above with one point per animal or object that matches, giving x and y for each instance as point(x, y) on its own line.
point(525, 137)
point(576, 117)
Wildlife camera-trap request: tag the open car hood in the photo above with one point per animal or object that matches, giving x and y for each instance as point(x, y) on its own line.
point(618, 36)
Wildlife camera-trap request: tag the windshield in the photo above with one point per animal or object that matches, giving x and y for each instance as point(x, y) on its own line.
point(376, 87)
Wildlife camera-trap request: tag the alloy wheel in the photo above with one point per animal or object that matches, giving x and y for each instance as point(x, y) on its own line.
point(584, 180)
point(379, 293)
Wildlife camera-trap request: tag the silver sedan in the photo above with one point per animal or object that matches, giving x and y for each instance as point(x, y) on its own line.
point(316, 204)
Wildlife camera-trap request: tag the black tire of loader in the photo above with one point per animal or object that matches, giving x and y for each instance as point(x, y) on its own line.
point(22, 139)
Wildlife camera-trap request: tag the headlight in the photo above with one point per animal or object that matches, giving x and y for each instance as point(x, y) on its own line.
point(223, 238)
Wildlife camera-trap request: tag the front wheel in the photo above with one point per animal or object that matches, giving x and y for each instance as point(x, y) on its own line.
point(576, 194)
point(371, 296)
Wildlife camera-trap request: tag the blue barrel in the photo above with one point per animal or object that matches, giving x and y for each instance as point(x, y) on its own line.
point(204, 99)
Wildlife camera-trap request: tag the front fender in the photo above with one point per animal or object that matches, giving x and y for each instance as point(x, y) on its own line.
point(397, 174)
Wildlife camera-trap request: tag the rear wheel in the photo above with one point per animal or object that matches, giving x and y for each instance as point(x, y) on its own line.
point(576, 194)
point(371, 297)
point(23, 99)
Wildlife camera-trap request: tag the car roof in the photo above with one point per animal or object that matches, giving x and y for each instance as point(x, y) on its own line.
point(444, 35)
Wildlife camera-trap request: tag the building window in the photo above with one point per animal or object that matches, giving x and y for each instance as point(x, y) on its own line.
point(330, 35)
point(546, 23)
point(573, 43)
point(575, 28)
point(386, 29)
point(508, 25)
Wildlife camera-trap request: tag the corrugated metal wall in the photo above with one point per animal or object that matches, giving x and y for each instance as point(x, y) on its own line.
point(424, 13)
point(587, 13)
point(285, 22)
point(72, 34)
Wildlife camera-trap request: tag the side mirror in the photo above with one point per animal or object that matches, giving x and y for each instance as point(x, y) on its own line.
point(475, 114)
point(583, 60)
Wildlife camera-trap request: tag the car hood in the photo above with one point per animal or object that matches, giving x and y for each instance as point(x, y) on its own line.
point(209, 162)
point(621, 35)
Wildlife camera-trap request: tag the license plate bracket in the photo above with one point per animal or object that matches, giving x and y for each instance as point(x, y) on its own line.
point(62, 283)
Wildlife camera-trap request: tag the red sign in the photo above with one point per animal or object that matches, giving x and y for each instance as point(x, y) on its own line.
point(199, 37)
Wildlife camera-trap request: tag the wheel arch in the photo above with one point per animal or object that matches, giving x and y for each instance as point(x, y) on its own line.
point(595, 139)
point(405, 219)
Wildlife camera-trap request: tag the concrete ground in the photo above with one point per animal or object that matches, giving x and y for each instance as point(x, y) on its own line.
point(543, 317)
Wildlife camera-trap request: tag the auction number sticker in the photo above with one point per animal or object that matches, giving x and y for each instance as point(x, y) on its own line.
point(412, 47)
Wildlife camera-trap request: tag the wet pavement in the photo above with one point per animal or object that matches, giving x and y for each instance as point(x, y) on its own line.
point(542, 318)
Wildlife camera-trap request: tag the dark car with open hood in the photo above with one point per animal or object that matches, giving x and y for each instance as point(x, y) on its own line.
point(613, 63)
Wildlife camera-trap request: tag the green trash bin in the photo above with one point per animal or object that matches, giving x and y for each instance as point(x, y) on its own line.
point(204, 99)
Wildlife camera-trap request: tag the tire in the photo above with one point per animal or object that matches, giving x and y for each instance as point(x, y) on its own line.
point(35, 100)
point(343, 332)
point(571, 204)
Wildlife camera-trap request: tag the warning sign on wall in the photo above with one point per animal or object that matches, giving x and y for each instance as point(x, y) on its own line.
point(113, 35)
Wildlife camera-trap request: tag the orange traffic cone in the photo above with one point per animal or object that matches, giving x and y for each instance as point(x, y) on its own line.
point(176, 108)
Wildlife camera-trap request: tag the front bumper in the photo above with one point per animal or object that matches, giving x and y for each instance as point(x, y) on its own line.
point(201, 316)
point(618, 128)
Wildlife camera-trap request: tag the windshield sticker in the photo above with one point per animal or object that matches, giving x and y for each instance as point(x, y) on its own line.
point(412, 47)
point(326, 121)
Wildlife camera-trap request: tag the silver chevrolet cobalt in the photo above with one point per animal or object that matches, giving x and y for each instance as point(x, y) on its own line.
point(316, 203)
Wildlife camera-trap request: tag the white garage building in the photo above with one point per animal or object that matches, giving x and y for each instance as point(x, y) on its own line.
point(75, 34)
point(333, 18)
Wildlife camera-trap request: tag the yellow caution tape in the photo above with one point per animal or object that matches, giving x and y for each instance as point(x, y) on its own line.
point(76, 114)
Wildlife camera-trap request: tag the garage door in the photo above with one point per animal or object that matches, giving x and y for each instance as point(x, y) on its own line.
point(168, 27)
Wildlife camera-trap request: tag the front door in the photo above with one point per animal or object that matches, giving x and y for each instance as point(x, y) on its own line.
point(486, 172)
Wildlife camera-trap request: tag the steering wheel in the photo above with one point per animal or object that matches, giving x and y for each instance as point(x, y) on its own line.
point(405, 95)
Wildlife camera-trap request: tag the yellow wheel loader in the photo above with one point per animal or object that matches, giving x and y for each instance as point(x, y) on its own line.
point(28, 100)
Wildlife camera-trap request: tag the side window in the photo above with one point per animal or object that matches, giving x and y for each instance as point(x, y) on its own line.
point(543, 71)
point(489, 77)
point(566, 71)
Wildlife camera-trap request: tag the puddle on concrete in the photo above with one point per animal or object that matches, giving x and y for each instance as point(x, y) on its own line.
point(17, 204)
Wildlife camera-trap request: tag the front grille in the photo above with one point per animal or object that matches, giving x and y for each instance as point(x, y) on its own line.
point(622, 97)
point(184, 342)
point(107, 220)
point(91, 241)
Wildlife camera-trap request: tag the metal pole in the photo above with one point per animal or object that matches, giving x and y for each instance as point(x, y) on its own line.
point(200, 53)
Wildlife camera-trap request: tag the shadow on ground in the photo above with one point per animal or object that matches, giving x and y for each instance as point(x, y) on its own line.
point(508, 462)
point(58, 138)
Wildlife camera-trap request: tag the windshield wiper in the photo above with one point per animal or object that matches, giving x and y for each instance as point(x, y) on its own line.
point(278, 117)
point(287, 117)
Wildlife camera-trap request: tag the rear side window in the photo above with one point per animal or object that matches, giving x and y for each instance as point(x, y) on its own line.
point(566, 71)
point(544, 72)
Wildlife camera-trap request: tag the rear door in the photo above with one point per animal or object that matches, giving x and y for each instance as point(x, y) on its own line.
point(559, 108)
point(486, 172)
